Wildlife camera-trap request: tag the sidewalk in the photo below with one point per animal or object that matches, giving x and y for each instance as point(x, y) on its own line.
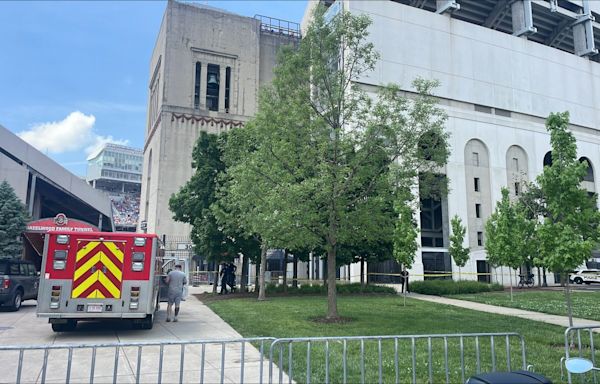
point(196, 322)
point(562, 321)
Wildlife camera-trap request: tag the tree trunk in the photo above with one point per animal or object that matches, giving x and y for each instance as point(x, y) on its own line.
point(216, 279)
point(545, 281)
point(256, 276)
point(362, 273)
point(511, 285)
point(285, 255)
point(295, 273)
point(331, 291)
point(539, 277)
point(569, 305)
point(263, 267)
point(245, 270)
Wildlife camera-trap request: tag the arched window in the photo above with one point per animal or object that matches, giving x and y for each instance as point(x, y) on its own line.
point(548, 159)
point(590, 171)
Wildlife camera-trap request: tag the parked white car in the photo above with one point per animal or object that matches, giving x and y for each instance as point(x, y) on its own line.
point(587, 276)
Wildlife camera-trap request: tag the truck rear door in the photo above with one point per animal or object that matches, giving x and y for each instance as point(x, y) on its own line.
point(98, 269)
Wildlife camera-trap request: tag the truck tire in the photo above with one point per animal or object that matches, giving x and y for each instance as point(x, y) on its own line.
point(147, 323)
point(578, 280)
point(17, 300)
point(69, 326)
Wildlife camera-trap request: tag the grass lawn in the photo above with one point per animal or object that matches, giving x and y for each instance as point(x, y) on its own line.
point(585, 304)
point(385, 315)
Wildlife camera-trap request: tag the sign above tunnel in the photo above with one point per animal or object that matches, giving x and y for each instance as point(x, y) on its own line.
point(60, 223)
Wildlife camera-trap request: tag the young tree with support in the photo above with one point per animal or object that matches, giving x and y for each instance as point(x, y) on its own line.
point(569, 229)
point(459, 254)
point(405, 235)
point(505, 243)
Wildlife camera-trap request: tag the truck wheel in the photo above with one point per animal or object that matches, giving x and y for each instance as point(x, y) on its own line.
point(147, 323)
point(17, 300)
point(70, 325)
point(578, 280)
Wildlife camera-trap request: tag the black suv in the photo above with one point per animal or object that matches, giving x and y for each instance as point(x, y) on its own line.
point(18, 281)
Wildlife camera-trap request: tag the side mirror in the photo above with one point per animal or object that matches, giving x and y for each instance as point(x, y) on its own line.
point(579, 365)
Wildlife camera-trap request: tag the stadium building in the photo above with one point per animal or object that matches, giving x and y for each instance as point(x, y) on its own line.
point(205, 72)
point(117, 170)
point(504, 66)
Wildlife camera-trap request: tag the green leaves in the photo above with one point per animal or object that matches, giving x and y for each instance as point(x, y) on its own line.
point(555, 222)
point(456, 249)
point(569, 229)
point(13, 221)
point(405, 231)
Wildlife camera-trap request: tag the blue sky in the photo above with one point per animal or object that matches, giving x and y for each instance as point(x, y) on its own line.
point(74, 74)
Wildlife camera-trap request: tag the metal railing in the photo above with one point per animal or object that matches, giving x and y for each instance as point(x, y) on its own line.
point(403, 358)
point(398, 359)
point(278, 26)
point(169, 361)
point(579, 342)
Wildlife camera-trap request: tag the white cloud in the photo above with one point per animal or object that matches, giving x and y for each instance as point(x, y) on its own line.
point(74, 133)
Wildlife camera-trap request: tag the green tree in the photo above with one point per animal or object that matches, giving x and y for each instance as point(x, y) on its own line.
point(568, 231)
point(405, 234)
point(319, 151)
point(193, 201)
point(13, 221)
point(505, 243)
point(459, 253)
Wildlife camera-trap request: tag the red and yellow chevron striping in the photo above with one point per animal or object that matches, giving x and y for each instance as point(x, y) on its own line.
point(98, 270)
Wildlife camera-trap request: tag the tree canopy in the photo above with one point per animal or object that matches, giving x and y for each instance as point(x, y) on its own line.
point(315, 167)
point(13, 222)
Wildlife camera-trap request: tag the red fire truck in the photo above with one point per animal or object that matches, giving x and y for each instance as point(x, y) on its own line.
point(97, 276)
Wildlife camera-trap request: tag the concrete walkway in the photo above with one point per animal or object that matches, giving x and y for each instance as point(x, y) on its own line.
point(221, 362)
point(562, 321)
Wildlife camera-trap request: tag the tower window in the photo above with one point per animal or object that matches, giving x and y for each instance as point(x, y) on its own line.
point(480, 239)
point(478, 210)
point(475, 159)
point(227, 88)
point(515, 164)
point(197, 85)
point(212, 87)
point(476, 184)
point(517, 188)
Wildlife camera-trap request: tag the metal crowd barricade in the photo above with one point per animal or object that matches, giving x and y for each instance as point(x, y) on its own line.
point(406, 358)
point(579, 342)
point(155, 362)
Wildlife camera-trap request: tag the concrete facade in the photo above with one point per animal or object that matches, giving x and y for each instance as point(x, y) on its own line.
point(192, 41)
point(46, 188)
point(497, 89)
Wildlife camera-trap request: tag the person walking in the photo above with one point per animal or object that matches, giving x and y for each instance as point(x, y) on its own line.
point(176, 279)
point(404, 275)
point(224, 278)
point(231, 268)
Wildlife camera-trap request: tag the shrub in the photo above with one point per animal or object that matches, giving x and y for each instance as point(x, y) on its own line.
point(451, 287)
point(343, 289)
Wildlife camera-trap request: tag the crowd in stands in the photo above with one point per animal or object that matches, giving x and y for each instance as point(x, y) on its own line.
point(126, 209)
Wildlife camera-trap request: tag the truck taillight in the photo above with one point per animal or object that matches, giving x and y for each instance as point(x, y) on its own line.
point(60, 259)
point(137, 261)
point(55, 296)
point(6, 284)
point(134, 298)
